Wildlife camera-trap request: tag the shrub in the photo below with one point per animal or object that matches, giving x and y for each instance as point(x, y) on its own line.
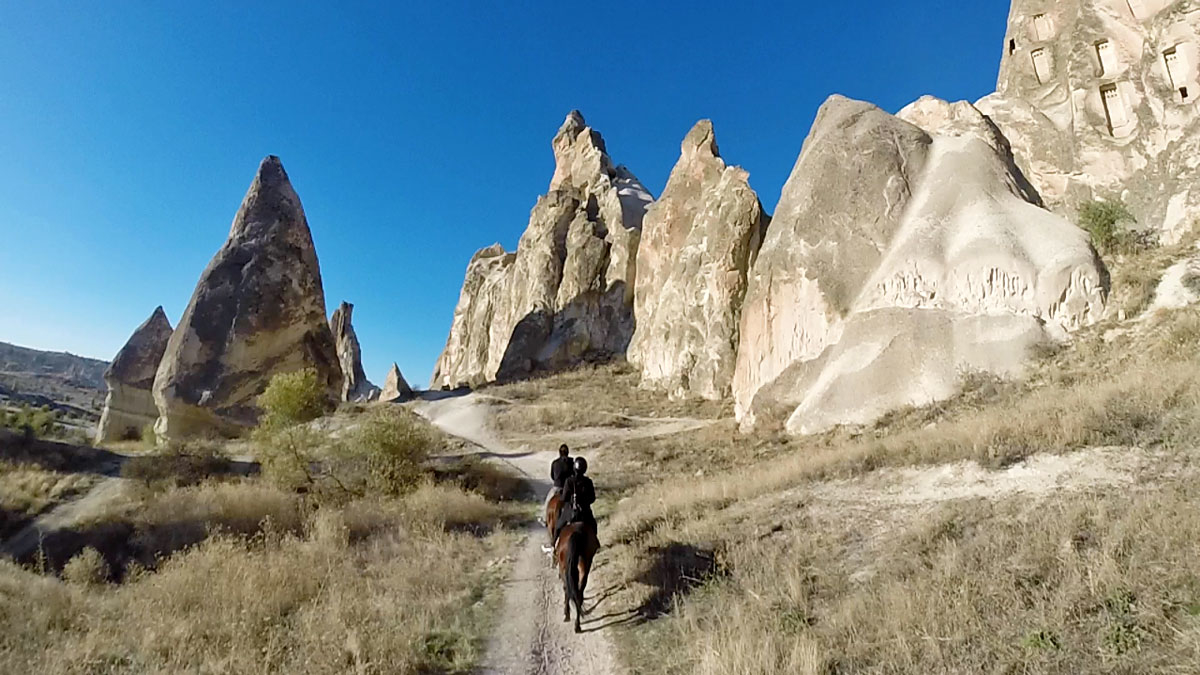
point(1103, 220)
point(395, 445)
point(289, 456)
point(179, 464)
point(294, 398)
point(87, 568)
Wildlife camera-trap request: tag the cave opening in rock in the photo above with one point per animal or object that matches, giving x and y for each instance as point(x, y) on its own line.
point(1012, 46)
point(1183, 93)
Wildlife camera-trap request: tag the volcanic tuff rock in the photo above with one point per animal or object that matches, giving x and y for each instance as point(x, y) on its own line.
point(395, 388)
point(129, 406)
point(899, 257)
point(698, 241)
point(258, 310)
point(1099, 100)
point(355, 386)
point(566, 295)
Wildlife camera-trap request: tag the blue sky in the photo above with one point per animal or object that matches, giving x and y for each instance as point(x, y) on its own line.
point(415, 133)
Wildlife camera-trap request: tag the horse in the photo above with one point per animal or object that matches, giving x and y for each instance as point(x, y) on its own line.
point(576, 546)
point(554, 507)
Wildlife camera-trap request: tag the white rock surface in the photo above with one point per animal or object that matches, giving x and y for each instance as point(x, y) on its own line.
point(395, 387)
point(900, 257)
point(1091, 95)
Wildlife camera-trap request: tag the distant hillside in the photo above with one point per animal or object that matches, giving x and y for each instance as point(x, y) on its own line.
point(79, 371)
point(63, 381)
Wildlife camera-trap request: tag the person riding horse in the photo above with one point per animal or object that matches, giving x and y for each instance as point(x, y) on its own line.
point(560, 470)
point(578, 495)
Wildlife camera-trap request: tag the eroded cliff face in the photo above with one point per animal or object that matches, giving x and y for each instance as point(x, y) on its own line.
point(698, 242)
point(566, 294)
point(1099, 100)
point(258, 309)
point(129, 405)
point(902, 254)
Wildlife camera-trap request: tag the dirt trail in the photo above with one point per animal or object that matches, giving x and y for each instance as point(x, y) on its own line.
point(65, 516)
point(530, 636)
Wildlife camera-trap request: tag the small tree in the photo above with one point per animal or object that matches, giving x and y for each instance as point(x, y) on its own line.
point(395, 445)
point(1103, 220)
point(293, 398)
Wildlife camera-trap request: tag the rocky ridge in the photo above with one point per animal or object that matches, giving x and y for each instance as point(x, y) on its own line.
point(566, 294)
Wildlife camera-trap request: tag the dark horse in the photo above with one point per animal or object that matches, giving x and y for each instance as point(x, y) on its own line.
point(553, 508)
point(576, 546)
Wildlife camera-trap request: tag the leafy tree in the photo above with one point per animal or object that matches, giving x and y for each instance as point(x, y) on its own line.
point(294, 398)
point(1103, 220)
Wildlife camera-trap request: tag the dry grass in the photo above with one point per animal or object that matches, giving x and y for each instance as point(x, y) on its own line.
point(590, 396)
point(27, 490)
point(371, 587)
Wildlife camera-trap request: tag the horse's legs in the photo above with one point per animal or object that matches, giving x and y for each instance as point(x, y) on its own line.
point(566, 598)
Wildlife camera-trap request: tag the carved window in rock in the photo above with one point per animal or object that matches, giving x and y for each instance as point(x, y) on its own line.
point(1176, 71)
point(1106, 57)
point(1042, 28)
point(1114, 107)
point(1043, 70)
point(1012, 47)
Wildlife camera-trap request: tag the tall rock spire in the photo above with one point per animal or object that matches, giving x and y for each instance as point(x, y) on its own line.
point(258, 309)
point(566, 295)
point(355, 386)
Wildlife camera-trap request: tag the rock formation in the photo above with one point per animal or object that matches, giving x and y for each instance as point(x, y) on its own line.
point(566, 295)
point(129, 406)
point(355, 386)
point(903, 253)
point(698, 241)
point(395, 387)
point(1099, 100)
point(258, 310)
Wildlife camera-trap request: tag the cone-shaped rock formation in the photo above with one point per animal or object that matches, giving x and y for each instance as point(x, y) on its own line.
point(258, 310)
point(395, 388)
point(129, 406)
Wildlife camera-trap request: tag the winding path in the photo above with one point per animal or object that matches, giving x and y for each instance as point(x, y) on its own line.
point(530, 636)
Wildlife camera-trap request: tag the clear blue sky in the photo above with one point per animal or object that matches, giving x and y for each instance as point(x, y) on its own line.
point(415, 133)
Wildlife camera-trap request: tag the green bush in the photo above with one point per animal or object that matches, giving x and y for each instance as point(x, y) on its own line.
point(1103, 220)
point(289, 457)
point(394, 444)
point(294, 398)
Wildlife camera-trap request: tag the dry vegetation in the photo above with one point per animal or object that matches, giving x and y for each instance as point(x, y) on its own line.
point(198, 569)
point(728, 560)
point(604, 395)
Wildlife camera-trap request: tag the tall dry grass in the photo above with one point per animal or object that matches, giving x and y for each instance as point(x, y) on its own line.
point(369, 587)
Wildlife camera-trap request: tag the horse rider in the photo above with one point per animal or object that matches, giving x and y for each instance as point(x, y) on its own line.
point(578, 496)
point(560, 470)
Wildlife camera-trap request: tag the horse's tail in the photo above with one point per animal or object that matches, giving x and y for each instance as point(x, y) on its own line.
point(574, 554)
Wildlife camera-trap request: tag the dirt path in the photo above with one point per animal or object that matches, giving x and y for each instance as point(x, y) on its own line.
point(530, 636)
point(64, 516)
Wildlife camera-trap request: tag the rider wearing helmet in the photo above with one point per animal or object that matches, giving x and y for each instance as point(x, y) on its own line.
point(578, 496)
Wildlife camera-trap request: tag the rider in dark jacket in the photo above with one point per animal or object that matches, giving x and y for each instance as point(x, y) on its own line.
point(560, 470)
point(578, 496)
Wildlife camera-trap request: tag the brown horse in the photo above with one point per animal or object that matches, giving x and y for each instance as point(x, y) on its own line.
point(553, 508)
point(576, 546)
